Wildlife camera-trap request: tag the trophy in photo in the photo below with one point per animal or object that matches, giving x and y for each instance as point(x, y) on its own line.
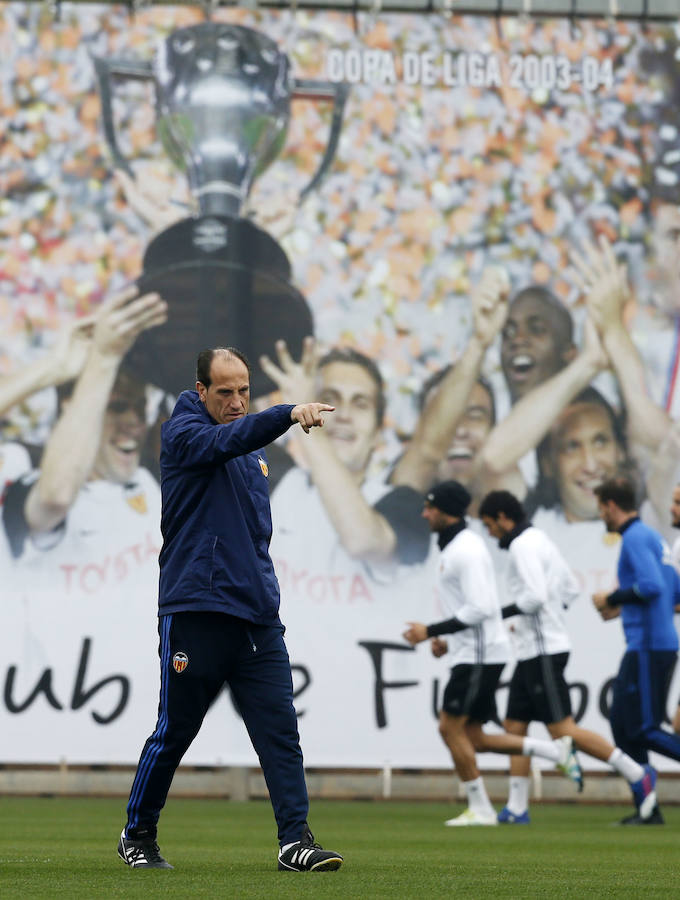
point(223, 106)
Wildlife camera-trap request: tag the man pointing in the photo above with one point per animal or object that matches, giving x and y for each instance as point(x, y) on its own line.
point(218, 605)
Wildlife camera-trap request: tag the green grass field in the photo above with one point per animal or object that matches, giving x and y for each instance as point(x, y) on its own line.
point(54, 847)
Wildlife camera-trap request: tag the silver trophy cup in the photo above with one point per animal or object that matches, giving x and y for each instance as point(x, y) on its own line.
point(223, 106)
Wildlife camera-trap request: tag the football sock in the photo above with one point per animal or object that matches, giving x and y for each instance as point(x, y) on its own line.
point(546, 749)
point(478, 800)
point(624, 765)
point(518, 795)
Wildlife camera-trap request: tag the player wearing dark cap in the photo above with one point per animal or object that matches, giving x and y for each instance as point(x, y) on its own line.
point(478, 648)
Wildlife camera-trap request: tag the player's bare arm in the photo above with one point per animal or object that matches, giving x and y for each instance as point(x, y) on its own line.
point(72, 447)
point(362, 531)
point(532, 416)
point(62, 363)
point(438, 422)
point(604, 282)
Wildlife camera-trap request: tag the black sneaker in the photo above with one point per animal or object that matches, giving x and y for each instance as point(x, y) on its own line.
point(636, 819)
point(141, 853)
point(307, 856)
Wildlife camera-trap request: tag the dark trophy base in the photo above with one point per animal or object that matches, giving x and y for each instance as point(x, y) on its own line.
point(226, 283)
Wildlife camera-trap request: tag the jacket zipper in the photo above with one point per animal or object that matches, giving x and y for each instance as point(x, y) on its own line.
point(212, 564)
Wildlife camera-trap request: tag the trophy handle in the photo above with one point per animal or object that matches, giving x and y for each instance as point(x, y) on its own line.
point(308, 89)
point(106, 70)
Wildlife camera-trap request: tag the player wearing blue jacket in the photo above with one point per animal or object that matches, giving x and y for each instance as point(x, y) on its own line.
point(219, 605)
point(645, 600)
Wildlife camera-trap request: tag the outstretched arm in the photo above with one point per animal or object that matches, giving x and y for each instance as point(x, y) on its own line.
point(191, 441)
point(662, 477)
point(437, 425)
point(530, 418)
point(363, 532)
point(71, 449)
point(605, 285)
point(417, 632)
point(62, 363)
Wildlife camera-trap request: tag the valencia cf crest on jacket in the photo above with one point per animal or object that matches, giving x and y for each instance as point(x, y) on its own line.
point(179, 662)
point(263, 466)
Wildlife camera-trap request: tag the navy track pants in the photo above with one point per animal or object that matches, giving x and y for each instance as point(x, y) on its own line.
point(639, 704)
point(253, 661)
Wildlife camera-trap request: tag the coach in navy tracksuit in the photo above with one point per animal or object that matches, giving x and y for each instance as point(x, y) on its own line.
point(645, 599)
point(219, 603)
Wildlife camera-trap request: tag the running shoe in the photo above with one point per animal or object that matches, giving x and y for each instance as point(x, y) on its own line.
point(141, 853)
point(472, 818)
point(506, 817)
point(307, 856)
point(569, 764)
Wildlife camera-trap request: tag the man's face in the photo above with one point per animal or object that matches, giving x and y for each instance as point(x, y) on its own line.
point(353, 428)
point(471, 432)
point(675, 507)
point(122, 436)
point(584, 454)
point(666, 252)
point(494, 527)
point(436, 519)
point(533, 348)
point(608, 513)
point(228, 396)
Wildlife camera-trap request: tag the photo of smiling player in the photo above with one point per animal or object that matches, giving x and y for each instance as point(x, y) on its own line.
point(537, 340)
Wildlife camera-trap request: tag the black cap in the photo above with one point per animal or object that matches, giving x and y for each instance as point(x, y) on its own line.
point(451, 497)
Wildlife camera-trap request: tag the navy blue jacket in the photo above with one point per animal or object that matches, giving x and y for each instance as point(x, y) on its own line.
point(216, 519)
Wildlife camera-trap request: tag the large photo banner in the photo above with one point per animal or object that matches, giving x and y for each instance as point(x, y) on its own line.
point(334, 196)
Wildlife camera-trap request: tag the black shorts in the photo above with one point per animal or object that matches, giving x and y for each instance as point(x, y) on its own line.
point(471, 691)
point(539, 691)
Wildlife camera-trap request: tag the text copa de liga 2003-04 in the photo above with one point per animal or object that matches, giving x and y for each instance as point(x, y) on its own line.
point(529, 72)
